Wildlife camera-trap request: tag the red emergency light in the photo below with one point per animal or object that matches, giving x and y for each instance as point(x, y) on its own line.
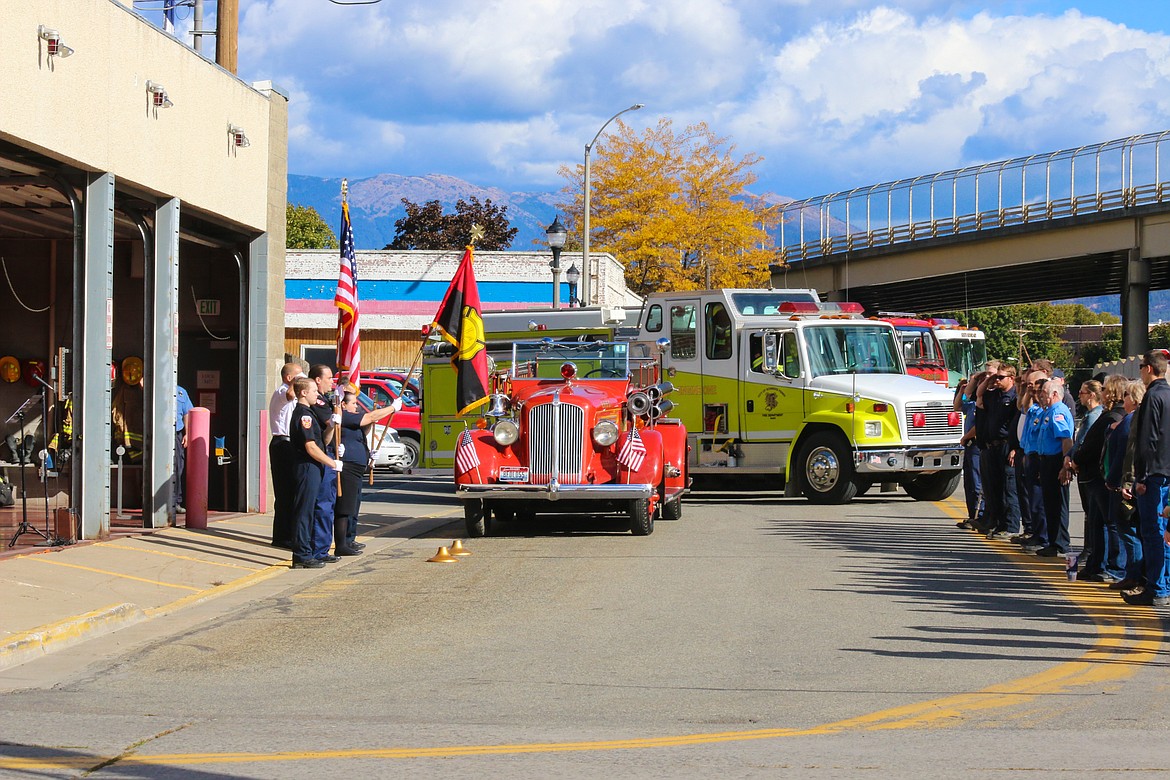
point(954, 418)
point(799, 307)
point(918, 420)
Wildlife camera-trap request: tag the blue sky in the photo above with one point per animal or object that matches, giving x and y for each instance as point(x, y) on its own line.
point(832, 94)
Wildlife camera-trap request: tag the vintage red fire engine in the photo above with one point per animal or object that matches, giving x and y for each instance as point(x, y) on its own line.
point(576, 427)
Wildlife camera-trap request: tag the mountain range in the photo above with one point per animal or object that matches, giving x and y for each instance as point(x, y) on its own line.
point(375, 203)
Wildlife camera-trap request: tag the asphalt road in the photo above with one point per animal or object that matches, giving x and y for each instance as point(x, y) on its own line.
point(756, 637)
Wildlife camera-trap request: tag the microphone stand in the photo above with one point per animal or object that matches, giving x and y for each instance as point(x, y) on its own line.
point(47, 388)
point(23, 458)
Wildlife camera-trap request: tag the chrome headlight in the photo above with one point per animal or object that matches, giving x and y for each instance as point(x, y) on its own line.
point(605, 433)
point(506, 432)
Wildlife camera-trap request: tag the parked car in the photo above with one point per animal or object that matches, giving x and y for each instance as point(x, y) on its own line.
point(396, 379)
point(376, 393)
point(391, 452)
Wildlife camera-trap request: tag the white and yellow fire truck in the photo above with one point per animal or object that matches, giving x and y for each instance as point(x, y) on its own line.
point(766, 382)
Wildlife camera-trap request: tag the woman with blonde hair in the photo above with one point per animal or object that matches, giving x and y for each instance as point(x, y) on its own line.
point(1119, 482)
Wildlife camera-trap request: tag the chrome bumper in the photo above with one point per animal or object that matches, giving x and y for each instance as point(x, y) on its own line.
point(555, 491)
point(910, 459)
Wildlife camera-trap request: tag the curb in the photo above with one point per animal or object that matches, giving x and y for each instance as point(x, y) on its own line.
point(40, 641)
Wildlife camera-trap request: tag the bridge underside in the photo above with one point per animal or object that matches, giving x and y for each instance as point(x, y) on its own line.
point(1126, 255)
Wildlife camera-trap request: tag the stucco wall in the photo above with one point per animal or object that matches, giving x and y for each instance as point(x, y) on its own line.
point(93, 109)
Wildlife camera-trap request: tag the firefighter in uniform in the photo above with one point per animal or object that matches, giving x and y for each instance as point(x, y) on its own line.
point(310, 460)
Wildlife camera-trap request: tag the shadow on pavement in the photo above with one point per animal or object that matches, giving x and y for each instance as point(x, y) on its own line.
point(938, 568)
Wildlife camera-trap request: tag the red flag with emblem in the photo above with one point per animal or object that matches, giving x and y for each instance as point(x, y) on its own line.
point(460, 323)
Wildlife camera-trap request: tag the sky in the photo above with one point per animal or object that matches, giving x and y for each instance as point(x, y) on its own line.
point(832, 94)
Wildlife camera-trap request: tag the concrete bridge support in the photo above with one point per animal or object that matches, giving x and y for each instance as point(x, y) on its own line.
point(1135, 305)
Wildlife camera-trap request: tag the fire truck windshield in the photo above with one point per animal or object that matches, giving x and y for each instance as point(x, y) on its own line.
point(965, 357)
point(852, 349)
point(592, 359)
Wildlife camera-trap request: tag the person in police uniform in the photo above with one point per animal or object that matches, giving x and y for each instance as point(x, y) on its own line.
point(280, 456)
point(1053, 442)
point(355, 457)
point(328, 416)
point(309, 462)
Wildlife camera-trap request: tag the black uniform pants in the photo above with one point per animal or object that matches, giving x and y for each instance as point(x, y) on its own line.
point(1055, 501)
point(280, 456)
point(307, 482)
point(349, 503)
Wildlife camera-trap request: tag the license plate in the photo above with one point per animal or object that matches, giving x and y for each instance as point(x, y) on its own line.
point(513, 473)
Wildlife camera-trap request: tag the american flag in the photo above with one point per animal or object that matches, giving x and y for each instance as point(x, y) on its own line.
point(349, 340)
point(465, 457)
point(633, 451)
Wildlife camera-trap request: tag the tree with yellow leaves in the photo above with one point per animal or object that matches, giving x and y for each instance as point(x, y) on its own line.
point(674, 209)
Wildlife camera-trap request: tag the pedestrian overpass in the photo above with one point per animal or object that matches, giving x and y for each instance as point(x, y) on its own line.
point(1073, 223)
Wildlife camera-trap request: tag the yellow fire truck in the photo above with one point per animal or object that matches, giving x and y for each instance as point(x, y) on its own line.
point(766, 382)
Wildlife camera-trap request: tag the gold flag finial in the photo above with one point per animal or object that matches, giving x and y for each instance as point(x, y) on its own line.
point(344, 190)
point(477, 232)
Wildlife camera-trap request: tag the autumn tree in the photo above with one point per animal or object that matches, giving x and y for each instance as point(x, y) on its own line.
point(1038, 328)
point(674, 208)
point(306, 229)
point(427, 227)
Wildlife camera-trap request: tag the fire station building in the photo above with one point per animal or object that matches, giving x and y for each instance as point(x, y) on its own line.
point(142, 232)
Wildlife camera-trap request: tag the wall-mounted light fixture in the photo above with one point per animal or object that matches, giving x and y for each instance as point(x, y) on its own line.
point(158, 95)
point(53, 44)
point(239, 138)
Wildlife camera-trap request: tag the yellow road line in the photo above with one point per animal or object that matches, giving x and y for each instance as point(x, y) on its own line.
point(1114, 657)
point(43, 559)
point(180, 557)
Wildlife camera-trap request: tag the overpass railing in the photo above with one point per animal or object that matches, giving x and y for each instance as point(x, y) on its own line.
point(1110, 176)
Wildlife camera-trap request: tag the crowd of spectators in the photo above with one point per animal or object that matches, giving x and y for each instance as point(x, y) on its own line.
point(1024, 450)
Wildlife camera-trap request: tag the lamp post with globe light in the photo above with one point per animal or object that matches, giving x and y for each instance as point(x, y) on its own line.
point(572, 276)
point(556, 234)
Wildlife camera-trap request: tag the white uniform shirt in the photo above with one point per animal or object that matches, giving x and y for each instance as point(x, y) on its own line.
point(280, 411)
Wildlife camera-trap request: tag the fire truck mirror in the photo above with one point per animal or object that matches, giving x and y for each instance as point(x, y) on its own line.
point(771, 352)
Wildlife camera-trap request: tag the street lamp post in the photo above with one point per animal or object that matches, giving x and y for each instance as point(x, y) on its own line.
point(572, 276)
point(556, 241)
point(585, 234)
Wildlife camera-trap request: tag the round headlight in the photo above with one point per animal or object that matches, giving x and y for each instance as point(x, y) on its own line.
point(506, 432)
point(605, 433)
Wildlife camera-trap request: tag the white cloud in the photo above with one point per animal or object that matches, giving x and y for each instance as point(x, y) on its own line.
point(886, 94)
point(833, 93)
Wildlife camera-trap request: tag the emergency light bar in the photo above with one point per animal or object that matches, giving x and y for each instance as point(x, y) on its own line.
point(824, 309)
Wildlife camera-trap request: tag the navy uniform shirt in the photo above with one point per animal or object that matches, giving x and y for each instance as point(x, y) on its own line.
point(302, 429)
point(324, 413)
point(354, 438)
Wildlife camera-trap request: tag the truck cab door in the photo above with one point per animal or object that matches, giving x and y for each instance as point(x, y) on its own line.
point(772, 404)
point(682, 360)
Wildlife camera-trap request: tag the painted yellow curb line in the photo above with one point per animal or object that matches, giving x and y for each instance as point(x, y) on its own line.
point(33, 644)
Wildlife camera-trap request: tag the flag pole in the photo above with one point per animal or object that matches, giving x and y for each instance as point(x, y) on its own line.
point(477, 233)
point(344, 200)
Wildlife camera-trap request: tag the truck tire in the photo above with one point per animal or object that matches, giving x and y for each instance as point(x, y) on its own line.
point(641, 521)
point(412, 454)
point(824, 469)
point(933, 487)
point(477, 518)
point(672, 508)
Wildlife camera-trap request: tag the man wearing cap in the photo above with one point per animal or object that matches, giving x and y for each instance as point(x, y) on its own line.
point(1152, 478)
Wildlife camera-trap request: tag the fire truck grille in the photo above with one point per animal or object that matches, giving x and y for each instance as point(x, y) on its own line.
point(568, 448)
point(937, 422)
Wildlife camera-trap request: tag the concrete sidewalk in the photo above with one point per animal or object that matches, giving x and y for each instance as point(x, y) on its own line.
point(60, 596)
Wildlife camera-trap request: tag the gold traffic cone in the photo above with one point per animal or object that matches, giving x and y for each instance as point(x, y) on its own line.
point(442, 556)
point(458, 549)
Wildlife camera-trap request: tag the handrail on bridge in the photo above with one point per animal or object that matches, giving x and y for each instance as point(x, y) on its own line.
point(1118, 183)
